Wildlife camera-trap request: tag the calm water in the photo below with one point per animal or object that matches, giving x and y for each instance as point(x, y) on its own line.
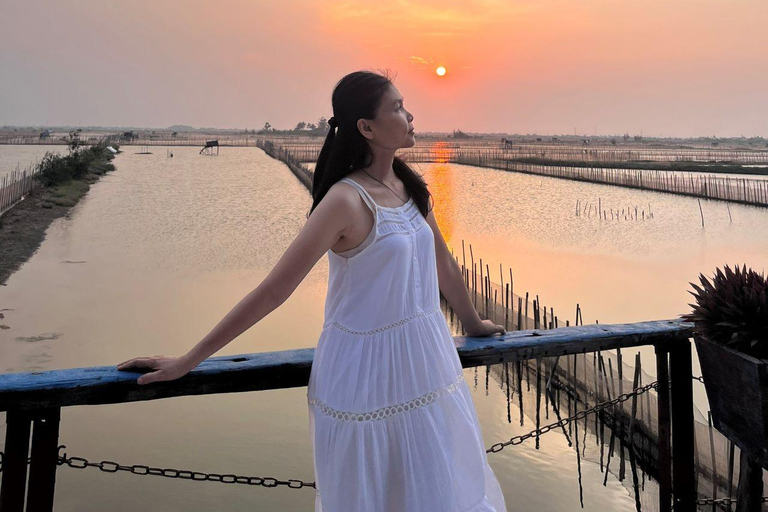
point(160, 250)
point(23, 157)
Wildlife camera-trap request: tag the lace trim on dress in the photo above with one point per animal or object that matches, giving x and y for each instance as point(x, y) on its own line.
point(476, 505)
point(386, 327)
point(390, 410)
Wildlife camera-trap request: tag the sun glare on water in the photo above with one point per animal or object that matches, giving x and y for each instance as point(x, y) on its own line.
point(440, 71)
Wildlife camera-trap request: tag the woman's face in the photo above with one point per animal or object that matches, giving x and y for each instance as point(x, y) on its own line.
point(391, 128)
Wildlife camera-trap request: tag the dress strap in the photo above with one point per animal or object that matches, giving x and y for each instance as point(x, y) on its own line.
point(364, 193)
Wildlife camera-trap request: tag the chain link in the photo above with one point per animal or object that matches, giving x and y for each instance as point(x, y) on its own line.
point(724, 501)
point(109, 466)
point(699, 378)
point(578, 416)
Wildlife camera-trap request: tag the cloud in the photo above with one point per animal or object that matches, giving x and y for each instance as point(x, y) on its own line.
point(419, 60)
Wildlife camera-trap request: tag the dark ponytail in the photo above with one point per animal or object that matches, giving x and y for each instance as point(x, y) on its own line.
point(356, 96)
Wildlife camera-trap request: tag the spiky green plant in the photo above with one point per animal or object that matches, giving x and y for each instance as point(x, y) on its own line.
point(732, 310)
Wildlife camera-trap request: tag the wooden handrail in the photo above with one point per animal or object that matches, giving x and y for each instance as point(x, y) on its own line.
point(291, 368)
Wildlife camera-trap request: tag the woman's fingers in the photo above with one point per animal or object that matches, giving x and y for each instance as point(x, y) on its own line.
point(150, 377)
point(165, 368)
point(137, 362)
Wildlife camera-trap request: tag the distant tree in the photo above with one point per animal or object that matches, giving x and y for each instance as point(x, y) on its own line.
point(300, 126)
point(458, 134)
point(267, 127)
point(73, 142)
point(323, 125)
point(311, 127)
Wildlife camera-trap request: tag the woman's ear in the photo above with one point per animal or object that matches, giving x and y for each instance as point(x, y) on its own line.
point(365, 128)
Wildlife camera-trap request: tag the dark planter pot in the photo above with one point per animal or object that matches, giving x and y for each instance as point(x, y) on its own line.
point(737, 389)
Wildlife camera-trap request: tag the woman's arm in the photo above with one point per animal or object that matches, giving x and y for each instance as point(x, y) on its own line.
point(328, 222)
point(454, 289)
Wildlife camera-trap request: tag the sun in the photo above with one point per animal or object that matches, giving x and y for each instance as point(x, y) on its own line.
point(440, 71)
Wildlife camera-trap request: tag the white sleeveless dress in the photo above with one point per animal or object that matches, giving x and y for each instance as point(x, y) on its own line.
point(392, 421)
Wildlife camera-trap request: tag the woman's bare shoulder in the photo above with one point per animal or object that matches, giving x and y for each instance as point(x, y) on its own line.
point(342, 192)
point(341, 199)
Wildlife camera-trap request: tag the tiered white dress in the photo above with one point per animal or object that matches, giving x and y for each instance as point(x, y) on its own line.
point(392, 421)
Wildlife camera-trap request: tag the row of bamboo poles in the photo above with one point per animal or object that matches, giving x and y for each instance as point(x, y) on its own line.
point(497, 301)
point(15, 185)
point(594, 153)
point(628, 213)
point(25, 140)
point(738, 190)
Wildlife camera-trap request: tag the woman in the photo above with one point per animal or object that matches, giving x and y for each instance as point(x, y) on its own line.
point(392, 422)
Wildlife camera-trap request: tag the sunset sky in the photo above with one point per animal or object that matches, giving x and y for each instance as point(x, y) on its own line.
point(666, 68)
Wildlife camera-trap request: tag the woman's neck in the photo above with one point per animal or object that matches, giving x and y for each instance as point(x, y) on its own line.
point(381, 168)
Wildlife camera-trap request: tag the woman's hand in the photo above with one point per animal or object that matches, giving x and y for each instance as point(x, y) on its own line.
point(485, 328)
point(166, 368)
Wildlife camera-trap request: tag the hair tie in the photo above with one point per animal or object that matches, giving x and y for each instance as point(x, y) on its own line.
point(332, 122)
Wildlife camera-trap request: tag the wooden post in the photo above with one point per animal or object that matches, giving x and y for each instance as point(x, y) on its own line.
point(14, 481)
point(750, 490)
point(42, 470)
point(684, 490)
point(665, 473)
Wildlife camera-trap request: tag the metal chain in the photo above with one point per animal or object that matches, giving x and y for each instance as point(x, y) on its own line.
point(700, 378)
point(565, 421)
point(113, 467)
point(724, 501)
point(109, 466)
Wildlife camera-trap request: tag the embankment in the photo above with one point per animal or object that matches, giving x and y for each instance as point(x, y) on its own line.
point(23, 227)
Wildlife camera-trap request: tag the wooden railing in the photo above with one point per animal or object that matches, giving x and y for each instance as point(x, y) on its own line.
point(36, 398)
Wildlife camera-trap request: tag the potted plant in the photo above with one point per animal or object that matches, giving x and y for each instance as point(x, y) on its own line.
point(730, 320)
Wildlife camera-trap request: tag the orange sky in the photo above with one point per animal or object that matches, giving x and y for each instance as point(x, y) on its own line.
point(682, 67)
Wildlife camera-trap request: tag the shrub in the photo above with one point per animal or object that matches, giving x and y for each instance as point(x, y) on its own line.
point(57, 169)
point(53, 169)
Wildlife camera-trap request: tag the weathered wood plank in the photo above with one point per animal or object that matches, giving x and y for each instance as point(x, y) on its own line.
point(291, 368)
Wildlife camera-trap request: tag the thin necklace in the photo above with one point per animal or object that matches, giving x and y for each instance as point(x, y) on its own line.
point(366, 172)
